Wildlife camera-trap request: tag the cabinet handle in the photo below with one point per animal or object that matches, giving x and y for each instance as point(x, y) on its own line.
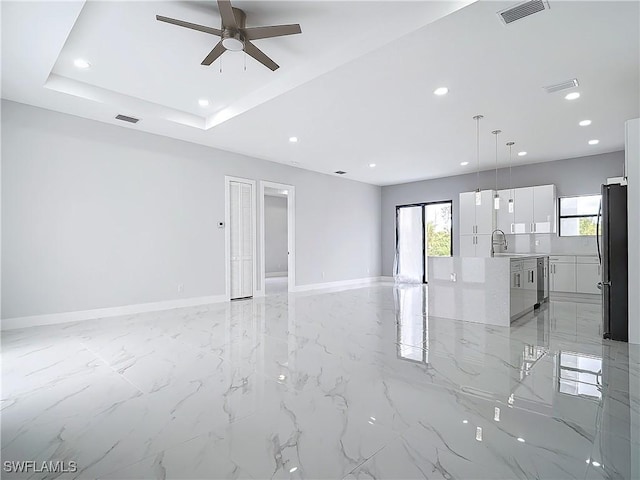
point(512, 228)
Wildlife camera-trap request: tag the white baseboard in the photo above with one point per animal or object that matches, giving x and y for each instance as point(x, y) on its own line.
point(276, 274)
point(342, 284)
point(54, 318)
point(66, 317)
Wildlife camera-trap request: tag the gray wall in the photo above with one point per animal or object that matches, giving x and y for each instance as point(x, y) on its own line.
point(275, 234)
point(573, 176)
point(96, 215)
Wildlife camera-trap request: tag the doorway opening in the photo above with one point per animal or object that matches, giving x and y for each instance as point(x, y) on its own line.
point(422, 230)
point(277, 248)
point(240, 244)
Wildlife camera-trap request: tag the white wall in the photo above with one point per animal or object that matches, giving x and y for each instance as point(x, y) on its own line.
point(632, 151)
point(96, 215)
point(275, 234)
point(575, 176)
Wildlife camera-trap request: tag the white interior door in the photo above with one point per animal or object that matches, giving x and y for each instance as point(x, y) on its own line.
point(241, 239)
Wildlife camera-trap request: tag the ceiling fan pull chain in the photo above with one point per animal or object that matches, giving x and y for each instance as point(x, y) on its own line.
point(220, 64)
point(245, 61)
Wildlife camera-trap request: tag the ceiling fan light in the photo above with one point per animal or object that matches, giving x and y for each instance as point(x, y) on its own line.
point(233, 44)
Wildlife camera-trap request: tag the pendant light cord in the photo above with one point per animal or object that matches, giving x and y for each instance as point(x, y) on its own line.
point(510, 144)
point(477, 119)
point(496, 133)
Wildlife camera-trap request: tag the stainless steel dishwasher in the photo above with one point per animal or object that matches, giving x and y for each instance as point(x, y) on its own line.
point(541, 280)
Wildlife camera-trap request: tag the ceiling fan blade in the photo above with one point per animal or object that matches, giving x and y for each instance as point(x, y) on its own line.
point(192, 26)
point(259, 55)
point(213, 54)
point(226, 13)
point(255, 33)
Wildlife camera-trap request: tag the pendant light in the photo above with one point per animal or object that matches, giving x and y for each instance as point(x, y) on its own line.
point(510, 144)
point(477, 118)
point(496, 197)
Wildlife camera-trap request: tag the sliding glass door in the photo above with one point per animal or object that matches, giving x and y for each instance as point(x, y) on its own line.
point(422, 230)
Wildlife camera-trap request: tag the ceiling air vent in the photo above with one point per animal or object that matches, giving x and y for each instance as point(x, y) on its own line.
point(524, 9)
point(124, 118)
point(340, 172)
point(562, 85)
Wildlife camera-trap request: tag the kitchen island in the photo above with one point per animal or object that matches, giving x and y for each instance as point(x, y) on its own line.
point(492, 290)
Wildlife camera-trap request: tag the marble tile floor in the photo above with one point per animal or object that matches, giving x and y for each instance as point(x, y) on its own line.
point(276, 285)
point(352, 384)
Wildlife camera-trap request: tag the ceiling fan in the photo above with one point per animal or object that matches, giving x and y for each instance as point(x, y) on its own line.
point(235, 36)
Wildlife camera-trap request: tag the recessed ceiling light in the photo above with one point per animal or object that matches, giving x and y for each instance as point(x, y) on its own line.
point(585, 123)
point(441, 91)
point(81, 63)
point(594, 142)
point(203, 102)
point(372, 165)
point(521, 440)
point(464, 164)
point(572, 95)
point(465, 421)
point(293, 139)
point(595, 464)
point(522, 154)
point(291, 470)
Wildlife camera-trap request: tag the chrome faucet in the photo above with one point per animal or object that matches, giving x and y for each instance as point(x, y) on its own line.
point(501, 244)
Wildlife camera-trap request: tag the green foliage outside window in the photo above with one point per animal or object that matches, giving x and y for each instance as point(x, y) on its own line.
point(438, 242)
point(587, 226)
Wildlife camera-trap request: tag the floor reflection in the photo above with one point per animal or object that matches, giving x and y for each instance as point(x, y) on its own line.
point(359, 383)
point(410, 304)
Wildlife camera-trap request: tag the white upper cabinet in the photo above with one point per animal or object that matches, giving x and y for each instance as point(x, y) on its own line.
point(476, 223)
point(485, 213)
point(505, 219)
point(467, 213)
point(544, 209)
point(523, 210)
point(535, 209)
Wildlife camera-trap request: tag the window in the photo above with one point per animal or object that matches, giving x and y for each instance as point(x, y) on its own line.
point(579, 215)
point(422, 230)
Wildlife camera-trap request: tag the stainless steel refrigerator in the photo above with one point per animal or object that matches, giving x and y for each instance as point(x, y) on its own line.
point(612, 253)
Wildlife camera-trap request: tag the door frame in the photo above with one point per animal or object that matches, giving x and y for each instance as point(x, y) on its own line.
point(227, 233)
point(423, 205)
point(291, 234)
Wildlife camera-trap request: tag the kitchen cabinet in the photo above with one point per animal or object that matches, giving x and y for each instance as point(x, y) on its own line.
point(505, 218)
point(588, 274)
point(535, 209)
point(467, 213)
point(544, 209)
point(485, 213)
point(476, 224)
point(475, 245)
point(516, 296)
point(562, 274)
point(523, 210)
point(523, 286)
